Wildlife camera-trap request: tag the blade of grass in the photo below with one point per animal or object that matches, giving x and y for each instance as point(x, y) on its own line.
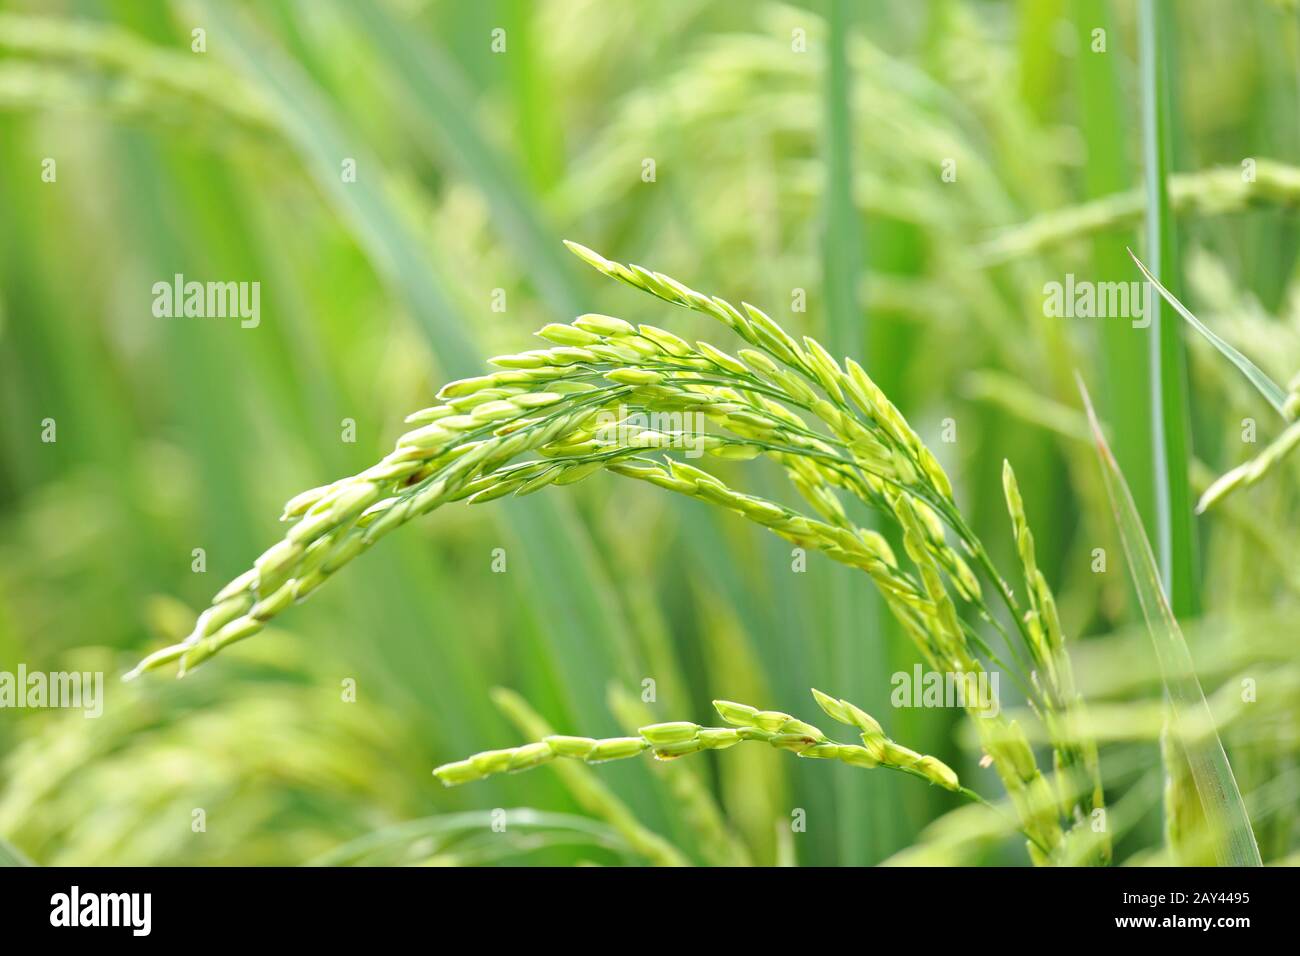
point(1273, 393)
point(448, 826)
point(1176, 543)
point(864, 818)
point(1104, 121)
point(430, 90)
point(320, 141)
point(1193, 725)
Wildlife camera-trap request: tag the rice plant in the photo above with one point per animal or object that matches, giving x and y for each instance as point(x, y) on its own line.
point(578, 408)
point(894, 183)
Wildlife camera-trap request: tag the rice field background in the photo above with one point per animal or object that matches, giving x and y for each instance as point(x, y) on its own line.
point(936, 189)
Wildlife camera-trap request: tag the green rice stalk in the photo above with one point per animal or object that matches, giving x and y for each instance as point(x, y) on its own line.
point(1174, 530)
point(852, 612)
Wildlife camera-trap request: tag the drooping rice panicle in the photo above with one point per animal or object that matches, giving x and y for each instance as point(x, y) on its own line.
point(605, 395)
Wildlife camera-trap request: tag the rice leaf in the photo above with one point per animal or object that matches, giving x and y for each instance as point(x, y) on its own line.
point(390, 843)
point(1175, 531)
point(1105, 117)
point(1275, 394)
point(1234, 841)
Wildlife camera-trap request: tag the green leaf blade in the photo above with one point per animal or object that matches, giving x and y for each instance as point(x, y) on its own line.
point(1273, 393)
point(1234, 840)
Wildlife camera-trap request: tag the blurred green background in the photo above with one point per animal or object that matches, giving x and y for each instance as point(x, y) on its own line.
point(798, 153)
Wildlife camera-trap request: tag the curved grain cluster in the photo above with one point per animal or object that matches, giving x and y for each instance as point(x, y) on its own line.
point(605, 396)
